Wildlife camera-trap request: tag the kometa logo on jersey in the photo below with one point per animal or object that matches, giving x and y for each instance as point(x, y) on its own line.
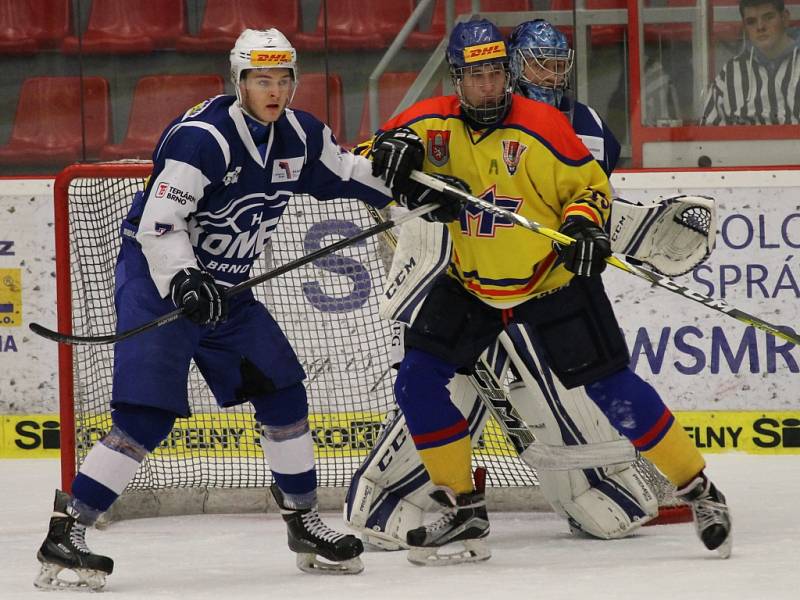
point(484, 52)
point(438, 147)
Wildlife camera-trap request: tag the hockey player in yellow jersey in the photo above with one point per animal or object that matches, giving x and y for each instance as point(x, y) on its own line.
point(521, 155)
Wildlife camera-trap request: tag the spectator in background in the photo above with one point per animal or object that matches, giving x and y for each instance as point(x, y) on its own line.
point(760, 85)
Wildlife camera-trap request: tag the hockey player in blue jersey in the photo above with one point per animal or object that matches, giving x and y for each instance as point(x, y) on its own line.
point(541, 61)
point(223, 174)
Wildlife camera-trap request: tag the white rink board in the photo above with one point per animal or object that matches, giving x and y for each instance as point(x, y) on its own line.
point(702, 359)
point(699, 359)
point(28, 377)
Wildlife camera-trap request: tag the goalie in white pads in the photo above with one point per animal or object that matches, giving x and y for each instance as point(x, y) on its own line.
point(503, 278)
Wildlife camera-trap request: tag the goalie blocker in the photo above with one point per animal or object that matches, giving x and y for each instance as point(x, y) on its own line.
point(389, 494)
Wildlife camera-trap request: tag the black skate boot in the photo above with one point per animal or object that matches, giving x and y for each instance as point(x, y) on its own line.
point(309, 537)
point(65, 548)
point(712, 519)
point(464, 521)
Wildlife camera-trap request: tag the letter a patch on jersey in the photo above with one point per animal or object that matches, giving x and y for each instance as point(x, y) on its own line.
point(512, 153)
point(438, 147)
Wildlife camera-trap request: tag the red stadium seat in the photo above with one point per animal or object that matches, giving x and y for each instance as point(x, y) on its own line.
point(430, 38)
point(356, 25)
point(124, 27)
point(599, 35)
point(157, 100)
point(224, 20)
point(27, 27)
point(316, 95)
point(51, 127)
point(391, 89)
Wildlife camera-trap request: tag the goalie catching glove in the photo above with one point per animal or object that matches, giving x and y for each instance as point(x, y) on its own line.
point(195, 291)
point(587, 255)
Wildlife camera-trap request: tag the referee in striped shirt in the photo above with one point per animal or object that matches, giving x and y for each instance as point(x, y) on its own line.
point(761, 84)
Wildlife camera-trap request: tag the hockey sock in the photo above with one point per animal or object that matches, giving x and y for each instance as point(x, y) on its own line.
point(114, 460)
point(287, 444)
point(439, 430)
point(637, 412)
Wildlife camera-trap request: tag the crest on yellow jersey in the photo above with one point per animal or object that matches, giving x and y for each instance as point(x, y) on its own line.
point(438, 147)
point(512, 153)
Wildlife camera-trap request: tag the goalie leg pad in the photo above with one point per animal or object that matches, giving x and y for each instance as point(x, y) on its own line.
point(390, 492)
point(608, 502)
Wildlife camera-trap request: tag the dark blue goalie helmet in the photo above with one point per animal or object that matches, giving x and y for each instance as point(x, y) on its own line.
point(479, 67)
point(541, 60)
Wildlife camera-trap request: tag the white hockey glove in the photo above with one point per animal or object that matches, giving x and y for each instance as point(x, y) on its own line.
point(673, 235)
point(202, 301)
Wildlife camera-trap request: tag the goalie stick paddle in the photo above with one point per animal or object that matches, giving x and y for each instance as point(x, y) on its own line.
point(652, 277)
point(78, 340)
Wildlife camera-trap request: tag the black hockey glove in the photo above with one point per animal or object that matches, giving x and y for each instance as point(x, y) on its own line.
point(395, 153)
point(196, 293)
point(587, 256)
point(450, 206)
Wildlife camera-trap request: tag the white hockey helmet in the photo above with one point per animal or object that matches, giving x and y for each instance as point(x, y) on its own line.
point(262, 49)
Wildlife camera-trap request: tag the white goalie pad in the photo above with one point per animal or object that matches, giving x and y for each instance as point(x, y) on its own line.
point(389, 493)
point(605, 502)
point(673, 235)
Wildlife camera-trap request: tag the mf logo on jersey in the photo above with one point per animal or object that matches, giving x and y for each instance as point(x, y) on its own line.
point(438, 147)
point(487, 222)
point(512, 153)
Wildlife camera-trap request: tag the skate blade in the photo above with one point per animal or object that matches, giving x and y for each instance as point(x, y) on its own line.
point(310, 563)
point(725, 548)
point(472, 551)
point(88, 580)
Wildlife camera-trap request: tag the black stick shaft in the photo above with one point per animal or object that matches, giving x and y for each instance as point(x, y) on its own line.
point(78, 340)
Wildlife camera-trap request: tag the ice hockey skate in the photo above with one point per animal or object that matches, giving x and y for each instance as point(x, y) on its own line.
point(464, 523)
point(65, 548)
point(311, 539)
point(712, 519)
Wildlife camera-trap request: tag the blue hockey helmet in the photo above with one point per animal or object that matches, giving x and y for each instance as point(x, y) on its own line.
point(477, 52)
point(541, 60)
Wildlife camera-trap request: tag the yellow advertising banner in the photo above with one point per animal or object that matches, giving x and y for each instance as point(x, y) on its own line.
point(353, 434)
point(10, 297)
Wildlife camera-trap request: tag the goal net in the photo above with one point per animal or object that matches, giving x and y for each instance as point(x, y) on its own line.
point(212, 461)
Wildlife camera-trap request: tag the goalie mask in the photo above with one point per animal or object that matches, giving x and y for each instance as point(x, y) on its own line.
point(541, 61)
point(479, 69)
point(261, 49)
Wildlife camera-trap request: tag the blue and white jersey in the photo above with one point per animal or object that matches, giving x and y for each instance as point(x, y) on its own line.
point(221, 182)
point(594, 133)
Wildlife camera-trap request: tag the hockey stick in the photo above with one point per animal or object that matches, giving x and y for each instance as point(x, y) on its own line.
point(65, 338)
point(650, 276)
point(537, 454)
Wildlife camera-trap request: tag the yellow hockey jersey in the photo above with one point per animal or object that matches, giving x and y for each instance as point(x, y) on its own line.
point(532, 164)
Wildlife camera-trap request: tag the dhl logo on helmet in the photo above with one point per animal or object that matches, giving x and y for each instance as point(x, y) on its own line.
point(263, 58)
point(484, 52)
